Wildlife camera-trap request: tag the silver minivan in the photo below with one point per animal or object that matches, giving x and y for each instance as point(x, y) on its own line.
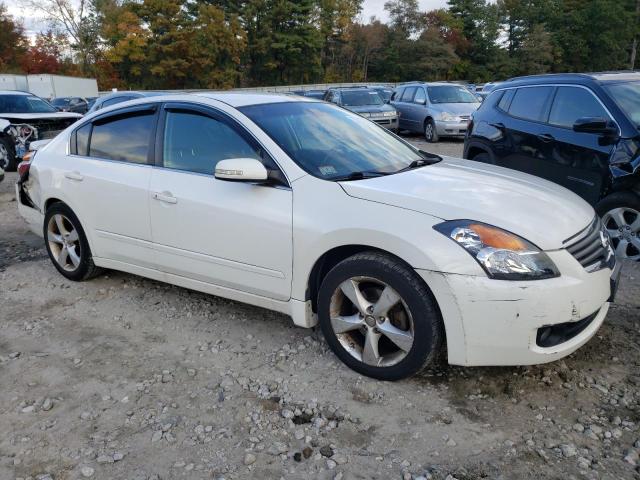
point(434, 109)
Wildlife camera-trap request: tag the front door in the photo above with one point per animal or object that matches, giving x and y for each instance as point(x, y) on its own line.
point(231, 234)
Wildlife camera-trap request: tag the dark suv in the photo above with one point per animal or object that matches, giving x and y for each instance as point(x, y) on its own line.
point(578, 130)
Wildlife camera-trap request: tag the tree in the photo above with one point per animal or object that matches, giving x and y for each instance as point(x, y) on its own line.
point(13, 42)
point(44, 56)
point(405, 16)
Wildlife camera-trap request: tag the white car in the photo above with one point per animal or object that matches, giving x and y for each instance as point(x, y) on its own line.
point(305, 208)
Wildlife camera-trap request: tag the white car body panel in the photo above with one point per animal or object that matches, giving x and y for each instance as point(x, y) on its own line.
point(259, 244)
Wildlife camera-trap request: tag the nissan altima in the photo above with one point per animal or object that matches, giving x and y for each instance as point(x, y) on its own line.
point(308, 209)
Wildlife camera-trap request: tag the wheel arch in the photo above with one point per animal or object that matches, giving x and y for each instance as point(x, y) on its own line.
point(475, 148)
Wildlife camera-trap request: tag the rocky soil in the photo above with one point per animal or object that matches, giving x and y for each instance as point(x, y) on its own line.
point(126, 378)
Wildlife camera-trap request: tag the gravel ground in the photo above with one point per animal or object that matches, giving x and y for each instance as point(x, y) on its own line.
point(126, 378)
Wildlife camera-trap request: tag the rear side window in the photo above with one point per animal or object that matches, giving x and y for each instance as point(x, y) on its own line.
point(407, 96)
point(531, 103)
point(215, 141)
point(123, 138)
point(572, 103)
point(82, 140)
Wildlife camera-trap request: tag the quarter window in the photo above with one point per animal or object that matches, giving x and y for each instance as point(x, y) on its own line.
point(572, 103)
point(420, 97)
point(505, 101)
point(196, 143)
point(82, 140)
point(126, 139)
point(531, 103)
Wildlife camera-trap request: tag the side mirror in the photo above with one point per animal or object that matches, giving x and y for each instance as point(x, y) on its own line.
point(241, 170)
point(421, 102)
point(597, 125)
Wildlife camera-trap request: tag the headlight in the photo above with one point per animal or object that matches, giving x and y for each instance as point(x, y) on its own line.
point(448, 117)
point(503, 255)
point(366, 114)
point(389, 114)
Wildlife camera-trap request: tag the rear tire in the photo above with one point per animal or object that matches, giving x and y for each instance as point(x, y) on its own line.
point(430, 131)
point(67, 244)
point(620, 213)
point(395, 330)
point(7, 155)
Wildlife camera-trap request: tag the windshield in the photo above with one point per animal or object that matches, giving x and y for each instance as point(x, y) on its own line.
point(627, 96)
point(385, 94)
point(450, 94)
point(24, 104)
point(329, 142)
point(361, 98)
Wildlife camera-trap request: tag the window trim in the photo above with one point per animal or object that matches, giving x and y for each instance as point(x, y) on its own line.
point(555, 85)
point(216, 114)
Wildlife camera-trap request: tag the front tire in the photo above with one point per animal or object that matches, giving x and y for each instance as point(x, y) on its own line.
point(379, 317)
point(620, 213)
point(430, 131)
point(67, 244)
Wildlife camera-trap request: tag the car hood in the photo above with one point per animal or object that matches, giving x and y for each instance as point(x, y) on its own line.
point(371, 108)
point(39, 116)
point(456, 108)
point(540, 211)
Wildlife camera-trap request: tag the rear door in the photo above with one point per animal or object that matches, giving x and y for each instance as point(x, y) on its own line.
point(231, 234)
point(575, 160)
point(108, 174)
point(406, 107)
point(523, 130)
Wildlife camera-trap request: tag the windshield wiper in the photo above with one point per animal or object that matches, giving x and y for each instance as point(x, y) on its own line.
point(358, 176)
point(427, 159)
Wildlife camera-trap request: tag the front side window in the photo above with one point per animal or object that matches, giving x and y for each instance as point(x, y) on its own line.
point(531, 103)
point(572, 103)
point(397, 94)
point(123, 138)
point(420, 97)
point(196, 143)
point(450, 94)
point(331, 143)
point(360, 98)
point(627, 97)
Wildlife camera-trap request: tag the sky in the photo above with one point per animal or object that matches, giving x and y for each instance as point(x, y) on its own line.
point(33, 22)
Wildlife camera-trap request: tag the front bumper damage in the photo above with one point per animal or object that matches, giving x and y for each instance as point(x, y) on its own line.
point(497, 322)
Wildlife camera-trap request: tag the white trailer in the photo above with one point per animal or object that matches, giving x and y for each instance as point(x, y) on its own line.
point(10, 81)
point(51, 86)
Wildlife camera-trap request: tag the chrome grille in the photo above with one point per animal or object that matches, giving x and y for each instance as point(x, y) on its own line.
point(592, 247)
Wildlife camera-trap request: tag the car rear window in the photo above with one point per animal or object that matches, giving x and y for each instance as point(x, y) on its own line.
point(531, 103)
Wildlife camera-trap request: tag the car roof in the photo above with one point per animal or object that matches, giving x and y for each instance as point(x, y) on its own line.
point(237, 100)
point(14, 92)
point(578, 78)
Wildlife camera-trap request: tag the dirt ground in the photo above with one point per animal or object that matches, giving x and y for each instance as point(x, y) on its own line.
point(126, 378)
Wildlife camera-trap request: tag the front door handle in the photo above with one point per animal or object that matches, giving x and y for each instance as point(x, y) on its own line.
point(545, 137)
point(74, 176)
point(165, 197)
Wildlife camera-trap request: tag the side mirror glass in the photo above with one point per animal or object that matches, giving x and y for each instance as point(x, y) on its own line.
point(597, 125)
point(241, 170)
point(421, 102)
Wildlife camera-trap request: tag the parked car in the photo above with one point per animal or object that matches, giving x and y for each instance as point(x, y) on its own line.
point(1, 174)
point(580, 131)
point(23, 119)
point(71, 104)
point(317, 94)
point(365, 102)
point(393, 251)
point(434, 109)
point(119, 97)
point(90, 102)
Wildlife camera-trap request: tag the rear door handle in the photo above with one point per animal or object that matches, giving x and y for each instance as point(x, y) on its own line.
point(165, 197)
point(74, 176)
point(545, 137)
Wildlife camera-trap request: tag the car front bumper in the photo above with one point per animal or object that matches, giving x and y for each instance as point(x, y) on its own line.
point(497, 322)
point(452, 129)
point(390, 123)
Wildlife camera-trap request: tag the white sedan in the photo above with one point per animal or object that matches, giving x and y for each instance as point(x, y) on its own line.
point(305, 208)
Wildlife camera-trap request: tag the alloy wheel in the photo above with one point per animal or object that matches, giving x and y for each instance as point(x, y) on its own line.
point(428, 131)
point(371, 321)
point(64, 242)
point(623, 225)
point(4, 156)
